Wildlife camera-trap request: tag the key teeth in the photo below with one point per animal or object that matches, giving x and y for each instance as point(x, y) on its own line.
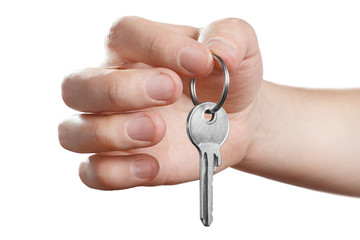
point(218, 162)
point(217, 159)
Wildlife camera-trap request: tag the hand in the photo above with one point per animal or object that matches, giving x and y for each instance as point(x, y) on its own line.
point(136, 104)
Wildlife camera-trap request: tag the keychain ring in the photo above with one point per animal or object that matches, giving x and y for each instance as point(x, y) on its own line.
point(224, 91)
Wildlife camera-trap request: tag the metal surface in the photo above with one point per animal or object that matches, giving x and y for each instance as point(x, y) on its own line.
point(207, 136)
point(225, 88)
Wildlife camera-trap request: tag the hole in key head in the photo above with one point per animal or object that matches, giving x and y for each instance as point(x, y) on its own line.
point(208, 116)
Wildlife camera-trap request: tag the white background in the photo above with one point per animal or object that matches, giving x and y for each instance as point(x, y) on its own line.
point(303, 43)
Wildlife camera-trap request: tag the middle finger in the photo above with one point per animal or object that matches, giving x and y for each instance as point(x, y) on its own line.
point(111, 90)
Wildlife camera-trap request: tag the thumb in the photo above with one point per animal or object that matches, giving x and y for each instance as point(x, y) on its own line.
point(234, 40)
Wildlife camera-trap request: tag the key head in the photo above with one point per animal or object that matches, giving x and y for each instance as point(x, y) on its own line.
point(201, 131)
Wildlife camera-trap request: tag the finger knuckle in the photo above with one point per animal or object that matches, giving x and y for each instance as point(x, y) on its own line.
point(98, 134)
point(237, 23)
point(117, 29)
point(103, 176)
point(62, 134)
point(155, 43)
point(114, 90)
point(66, 88)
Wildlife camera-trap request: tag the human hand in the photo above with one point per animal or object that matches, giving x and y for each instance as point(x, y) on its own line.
point(136, 107)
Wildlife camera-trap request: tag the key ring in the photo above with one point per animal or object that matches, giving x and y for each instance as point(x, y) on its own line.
point(225, 88)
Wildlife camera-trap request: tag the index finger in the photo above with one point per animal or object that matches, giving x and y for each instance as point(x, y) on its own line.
point(133, 39)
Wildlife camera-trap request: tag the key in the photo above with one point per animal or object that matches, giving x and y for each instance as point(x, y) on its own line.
point(207, 136)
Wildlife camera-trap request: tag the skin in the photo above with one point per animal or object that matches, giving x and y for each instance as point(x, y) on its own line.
point(304, 137)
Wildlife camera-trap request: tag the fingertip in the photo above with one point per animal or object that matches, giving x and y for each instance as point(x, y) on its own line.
point(232, 39)
point(162, 86)
point(159, 126)
point(227, 50)
point(196, 61)
point(176, 88)
point(145, 167)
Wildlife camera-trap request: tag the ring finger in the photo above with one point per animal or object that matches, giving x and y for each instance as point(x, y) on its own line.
point(92, 133)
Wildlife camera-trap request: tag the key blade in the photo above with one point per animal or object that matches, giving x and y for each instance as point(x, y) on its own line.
point(207, 136)
point(206, 188)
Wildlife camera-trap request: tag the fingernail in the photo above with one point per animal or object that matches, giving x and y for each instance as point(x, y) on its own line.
point(222, 47)
point(141, 129)
point(160, 87)
point(194, 60)
point(142, 168)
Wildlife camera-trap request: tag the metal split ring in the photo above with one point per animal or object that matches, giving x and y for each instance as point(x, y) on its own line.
point(225, 88)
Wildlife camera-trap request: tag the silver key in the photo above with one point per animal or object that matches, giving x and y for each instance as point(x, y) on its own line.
point(207, 136)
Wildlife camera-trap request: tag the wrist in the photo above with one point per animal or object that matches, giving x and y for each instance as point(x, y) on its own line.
point(261, 119)
point(244, 129)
